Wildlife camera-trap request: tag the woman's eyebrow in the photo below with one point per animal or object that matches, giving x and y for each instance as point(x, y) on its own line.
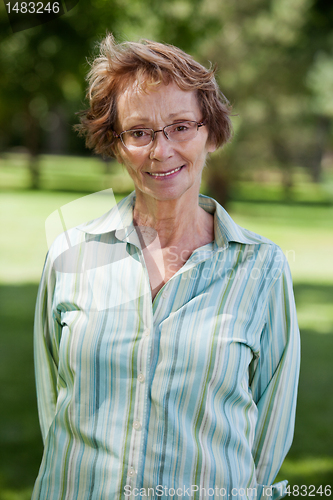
point(143, 119)
point(181, 112)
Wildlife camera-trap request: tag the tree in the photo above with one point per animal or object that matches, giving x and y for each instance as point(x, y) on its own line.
point(43, 68)
point(275, 68)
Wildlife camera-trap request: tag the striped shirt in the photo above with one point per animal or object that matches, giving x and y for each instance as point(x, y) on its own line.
point(191, 395)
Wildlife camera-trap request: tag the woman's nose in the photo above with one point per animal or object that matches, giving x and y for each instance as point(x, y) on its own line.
point(161, 147)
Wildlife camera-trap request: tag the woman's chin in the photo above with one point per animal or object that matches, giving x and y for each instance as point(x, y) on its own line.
point(161, 192)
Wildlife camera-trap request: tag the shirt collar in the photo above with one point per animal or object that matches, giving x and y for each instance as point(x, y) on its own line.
point(120, 220)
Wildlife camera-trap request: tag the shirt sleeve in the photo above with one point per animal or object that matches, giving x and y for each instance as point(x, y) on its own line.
point(274, 382)
point(47, 331)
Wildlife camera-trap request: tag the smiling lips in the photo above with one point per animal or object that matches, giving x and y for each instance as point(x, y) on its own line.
point(166, 173)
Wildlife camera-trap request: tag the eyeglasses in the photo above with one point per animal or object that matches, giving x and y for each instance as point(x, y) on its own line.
point(177, 132)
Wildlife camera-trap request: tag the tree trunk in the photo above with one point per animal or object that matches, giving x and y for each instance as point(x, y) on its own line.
point(33, 144)
point(219, 187)
point(282, 155)
point(321, 138)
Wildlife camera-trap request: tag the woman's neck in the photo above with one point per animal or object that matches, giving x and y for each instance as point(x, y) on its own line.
point(178, 222)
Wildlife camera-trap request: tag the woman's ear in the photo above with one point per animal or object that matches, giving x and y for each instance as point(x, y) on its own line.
point(211, 147)
point(117, 154)
point(114, 148)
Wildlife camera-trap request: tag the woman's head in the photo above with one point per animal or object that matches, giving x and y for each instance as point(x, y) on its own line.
point(147, 64)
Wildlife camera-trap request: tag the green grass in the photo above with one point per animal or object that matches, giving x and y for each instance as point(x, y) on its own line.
point(21, 444)
point(64, 173)
point(305, 233)
point(22, 217)
point(302, 192)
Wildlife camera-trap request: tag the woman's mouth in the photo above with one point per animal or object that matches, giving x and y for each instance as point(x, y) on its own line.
point(165, 174)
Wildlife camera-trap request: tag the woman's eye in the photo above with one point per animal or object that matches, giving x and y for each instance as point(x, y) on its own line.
point(137, 134)
point(180, 128)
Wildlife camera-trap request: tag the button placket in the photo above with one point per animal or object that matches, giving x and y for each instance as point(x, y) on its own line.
point(135, 450)
point(131, 482)
point(131, 472)
point(137, 425)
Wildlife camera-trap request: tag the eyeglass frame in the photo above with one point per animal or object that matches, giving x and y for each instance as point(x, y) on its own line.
point(119, 136)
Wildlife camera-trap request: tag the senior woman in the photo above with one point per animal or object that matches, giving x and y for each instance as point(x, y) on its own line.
point(166, 339)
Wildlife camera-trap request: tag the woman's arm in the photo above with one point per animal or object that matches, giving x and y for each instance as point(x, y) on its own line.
point(274, 381)
point(47, 331)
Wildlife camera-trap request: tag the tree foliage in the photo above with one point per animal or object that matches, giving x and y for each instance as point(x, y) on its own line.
point(43, 68)
point(276, 66)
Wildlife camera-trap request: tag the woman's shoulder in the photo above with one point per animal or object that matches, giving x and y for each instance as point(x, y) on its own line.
point(256, 249)
point(102, 216)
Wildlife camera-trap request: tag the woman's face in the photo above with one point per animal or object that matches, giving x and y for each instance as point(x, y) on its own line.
point(155, 109)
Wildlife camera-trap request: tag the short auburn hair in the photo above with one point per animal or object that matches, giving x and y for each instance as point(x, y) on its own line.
point(149, 64)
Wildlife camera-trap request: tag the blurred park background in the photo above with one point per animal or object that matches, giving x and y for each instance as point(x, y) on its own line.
point(275, 65)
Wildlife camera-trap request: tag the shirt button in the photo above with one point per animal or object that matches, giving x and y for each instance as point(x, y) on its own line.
point(164, 294)
point(146, 332)
point(137, 425)
point(141, 377)
point(131, 472)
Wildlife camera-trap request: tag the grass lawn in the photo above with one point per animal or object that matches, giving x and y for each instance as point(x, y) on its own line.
point(305, 233)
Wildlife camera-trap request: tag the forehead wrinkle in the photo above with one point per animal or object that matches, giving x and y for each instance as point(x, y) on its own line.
point(144, 119)
point(131, 107)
